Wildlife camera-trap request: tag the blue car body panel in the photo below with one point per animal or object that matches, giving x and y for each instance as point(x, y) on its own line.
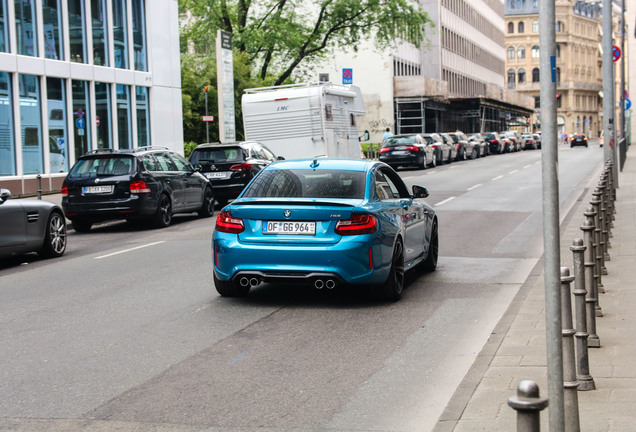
point(353, 259)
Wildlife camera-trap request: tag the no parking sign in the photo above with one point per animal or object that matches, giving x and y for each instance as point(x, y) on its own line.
point(347, 76)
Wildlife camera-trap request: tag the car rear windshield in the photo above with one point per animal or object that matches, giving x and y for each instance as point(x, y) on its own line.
point(103, 166)
point(490, 136)
point(217, 155)
point(399, 140)
point(307, 184)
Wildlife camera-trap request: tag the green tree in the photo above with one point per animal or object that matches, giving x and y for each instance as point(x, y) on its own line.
point(278, 36)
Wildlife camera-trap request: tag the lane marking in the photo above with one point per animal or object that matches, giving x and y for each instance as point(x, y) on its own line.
point(497, 178)
point(129, 250)
point(474, 187)
point(527, 166)
point(444, 202)
point(513, 171)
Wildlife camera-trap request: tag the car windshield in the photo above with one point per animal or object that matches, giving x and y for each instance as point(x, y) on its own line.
point(399, 140)
point(217, 155)
point(307, 184)
point(429, 139)
point(102, 166)
point(490, 136)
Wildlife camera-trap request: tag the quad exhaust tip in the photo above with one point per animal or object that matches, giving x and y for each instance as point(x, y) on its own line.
point(251, 282)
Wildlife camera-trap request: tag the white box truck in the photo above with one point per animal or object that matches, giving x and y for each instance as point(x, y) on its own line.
point(305, 120)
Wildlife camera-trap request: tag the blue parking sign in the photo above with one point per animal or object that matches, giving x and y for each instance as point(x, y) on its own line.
point(347, 76)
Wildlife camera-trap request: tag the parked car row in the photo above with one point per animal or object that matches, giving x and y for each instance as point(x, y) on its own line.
point(430, 149)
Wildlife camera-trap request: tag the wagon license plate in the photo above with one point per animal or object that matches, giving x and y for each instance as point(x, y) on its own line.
point(400, 152)
point(276, 227)
point(218, 174)
point(87, 190)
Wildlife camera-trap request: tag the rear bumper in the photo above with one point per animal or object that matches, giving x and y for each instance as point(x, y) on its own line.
point(405, 160)
point(136, 206)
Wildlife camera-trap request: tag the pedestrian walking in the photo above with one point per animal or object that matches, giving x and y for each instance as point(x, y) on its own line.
point(386, 135)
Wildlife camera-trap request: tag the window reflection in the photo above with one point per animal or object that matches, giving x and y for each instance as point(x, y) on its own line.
point(100, 32)
point(120, 34)
point(52, 17)
point(123, 116)
point(31, 124)
point(102, 107)
point(25, 27)
point(139, 34)
point(77, 30)
point(4, 29)
point(143, 116)
point(7, 144)
point(81, 104)
point(58, 138)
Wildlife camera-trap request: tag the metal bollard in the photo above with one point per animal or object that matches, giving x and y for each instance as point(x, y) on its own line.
point(602, 187)
point(612, 183)
point(570, 384)
point(607, 218)
point(528, 405)
point(39, 179)
point(596, 203)
point(586, 382)
point(593, 341)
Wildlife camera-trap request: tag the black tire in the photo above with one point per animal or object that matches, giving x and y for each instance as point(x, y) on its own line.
point(475, 153)
point(392, 288)
point(81, 226)
point(163, 217)
point(230, 289)
point(207, 208)
point(422, 164)
point(434, 163)
point(55, 236)
point(430, 263)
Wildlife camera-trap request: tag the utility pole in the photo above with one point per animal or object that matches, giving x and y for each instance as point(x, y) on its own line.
point(207, 124)
point(551, 235)
point(609, 104)
point(623, 139)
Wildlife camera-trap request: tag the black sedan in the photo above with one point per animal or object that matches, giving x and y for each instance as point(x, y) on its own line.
point(30, 225)
point(578, 139)
point(410, 150)
point(230, 167)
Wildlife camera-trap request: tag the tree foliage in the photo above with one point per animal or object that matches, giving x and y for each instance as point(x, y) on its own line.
point(277, 36)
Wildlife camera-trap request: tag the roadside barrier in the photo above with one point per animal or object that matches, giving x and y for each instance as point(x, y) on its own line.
point(589, 257)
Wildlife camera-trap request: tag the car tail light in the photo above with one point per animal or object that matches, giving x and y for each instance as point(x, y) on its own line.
point(494, 142)
point(228, 224)
point(384, 149)
point(139, 186)
point(584, 138)
point(357, 224)
point(412, 148)
point(241, 167)
point(64, 191)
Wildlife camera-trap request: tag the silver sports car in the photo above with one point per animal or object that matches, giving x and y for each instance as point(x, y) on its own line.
point(31, 225)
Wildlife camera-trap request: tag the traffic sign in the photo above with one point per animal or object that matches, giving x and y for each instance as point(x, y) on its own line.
point(347, 76)
point(97, 122)
point(616, 53)
point(628, 104)
point(208, 118)
point(80, 123)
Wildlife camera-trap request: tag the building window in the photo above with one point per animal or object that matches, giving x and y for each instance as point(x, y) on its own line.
point(558, 51)
point(521, 52)
point(100, 33)
point(560, 27)
point(537, 101)
point(511, 53)
point(535, 26)
point(139, 34)
point(103, 110)
point(31, 124)
point(520, 27)
point(52, 17)
point(58, 137)
point(77, 31)
point(536, 75)
point(123, 116)
point(521, 76)
point(558, 75)
point(143, 116)
point(535, 51)
point(25, 27)
point(511, 27)
point(511, 78)
point(81, 104)
point(4, 30)
point(120, 34)
point(7, 144)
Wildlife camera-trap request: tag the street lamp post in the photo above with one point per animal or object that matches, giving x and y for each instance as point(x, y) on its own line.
point(207, 124)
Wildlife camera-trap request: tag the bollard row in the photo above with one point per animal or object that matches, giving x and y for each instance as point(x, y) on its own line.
point(589, 256)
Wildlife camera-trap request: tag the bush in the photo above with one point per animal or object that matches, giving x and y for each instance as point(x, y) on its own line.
point(370, 150)
point(188, 147)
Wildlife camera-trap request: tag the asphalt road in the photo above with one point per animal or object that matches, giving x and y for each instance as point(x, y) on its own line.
point(127, 331)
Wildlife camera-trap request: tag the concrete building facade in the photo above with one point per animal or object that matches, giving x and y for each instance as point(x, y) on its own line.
point(82, 75)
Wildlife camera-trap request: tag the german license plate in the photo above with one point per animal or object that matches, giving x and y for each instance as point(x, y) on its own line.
point(400, 152)
point(280, 227)
point(97, 189)
point(218, 174)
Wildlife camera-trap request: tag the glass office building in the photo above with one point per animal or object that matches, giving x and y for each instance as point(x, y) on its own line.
point(83, 75)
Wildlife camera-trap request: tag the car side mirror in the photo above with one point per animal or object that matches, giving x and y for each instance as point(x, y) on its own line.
point(5, 194)
point(365, 137)
point(280, 158)
point(419, 192)
point(197, 167)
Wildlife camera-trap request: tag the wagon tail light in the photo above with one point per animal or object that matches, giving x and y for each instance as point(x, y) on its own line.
point(241, 167)
point(64, 191)
point(357, 224)
point(228, 224)
point(139, 186)
point(384, 149)
point(413, 148)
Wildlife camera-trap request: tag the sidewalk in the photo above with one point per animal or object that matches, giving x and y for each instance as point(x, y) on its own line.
point(516, 350)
